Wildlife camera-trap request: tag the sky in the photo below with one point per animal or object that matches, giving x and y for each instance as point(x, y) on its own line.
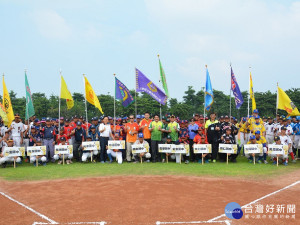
point(101, 38)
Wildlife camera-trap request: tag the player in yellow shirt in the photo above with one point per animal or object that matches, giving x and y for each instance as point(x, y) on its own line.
point(259, 156)
point(262, 140)
point(251, 120)
point(257, 126)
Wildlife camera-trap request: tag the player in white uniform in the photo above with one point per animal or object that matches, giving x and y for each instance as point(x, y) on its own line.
point(17, 129)
point(284, 158)
point(88, 154)
point(41, 158)
point(115, 153)
point(141, 141)
point(270, 130)
point(286, 140)
point(3, 159)
point(60, 157)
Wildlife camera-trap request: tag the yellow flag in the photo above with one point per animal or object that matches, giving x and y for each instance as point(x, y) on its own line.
point(7, 104)
point(3, 114)
point(90, 95)
point(285, 103)
point(252, 94)
point(65, 93)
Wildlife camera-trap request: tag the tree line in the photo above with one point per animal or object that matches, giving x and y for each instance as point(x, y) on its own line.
point(193, 102)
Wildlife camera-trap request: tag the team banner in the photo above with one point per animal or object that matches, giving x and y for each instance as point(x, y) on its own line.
point(91, 145)
point(285, 103)
point(63, 149)
point(14, 151)
point(253, 148)
point(36, 150)
point(165, 148)
point(180, 149)
point(163, 79)
point(7, 104)
point(209, 95)
point(116, 144)
point(140, 148)
point(228, 148)
point(202, 148)
point(278, 149)
point(143, 84)
point(29, 112)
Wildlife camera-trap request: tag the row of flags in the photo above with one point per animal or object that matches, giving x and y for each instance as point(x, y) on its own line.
point(143, 84)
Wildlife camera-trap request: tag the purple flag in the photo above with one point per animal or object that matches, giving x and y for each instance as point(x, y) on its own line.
point(123, 94)
point(143, 84)
point(236, 91)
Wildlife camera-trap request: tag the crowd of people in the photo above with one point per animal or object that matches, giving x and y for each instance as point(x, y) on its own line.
point(150, 131)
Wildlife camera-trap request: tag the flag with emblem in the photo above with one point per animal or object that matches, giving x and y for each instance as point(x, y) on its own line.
point(209, 95)
point(65, 93)
point(29, 112)
point(3, 114)
point(285, 103)
point(143, 84)
point(123, 94)
point(90, 95)
point(7, 104)
point(163, 79)
point(236, 91)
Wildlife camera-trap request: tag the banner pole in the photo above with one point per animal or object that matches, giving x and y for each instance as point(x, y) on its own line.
point(230, 98)
point(115, 107)
point(276, 103)
point(86, 115)
point(249, 94)
point(59, 102)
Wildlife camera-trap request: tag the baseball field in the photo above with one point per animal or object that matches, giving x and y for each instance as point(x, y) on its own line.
point(149, 193)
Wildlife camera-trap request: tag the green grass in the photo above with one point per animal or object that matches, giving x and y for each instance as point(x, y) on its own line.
point(241, 169)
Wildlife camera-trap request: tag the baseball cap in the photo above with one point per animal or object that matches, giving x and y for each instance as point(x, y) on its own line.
point(67, 120)
point(17, 115)
point(62, 118)
point(138, 117)
point(257, 132)
point(141, 135)
point(93, 127)
point(78, 123)
point(227, 138)
point(88, 137)
point(48, 119)
point(283, 128)
point(75, 117)
point(221, 117)
point(36, 120)
point(255, 111)
point(276, 138)
point(252, 137)
point(81, 117)
point(244, 119)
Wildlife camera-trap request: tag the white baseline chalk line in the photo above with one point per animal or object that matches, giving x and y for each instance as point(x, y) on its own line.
point(259, 199)
point(213, 220)
point(227, 222)
point(30, 209)
point(94, 223)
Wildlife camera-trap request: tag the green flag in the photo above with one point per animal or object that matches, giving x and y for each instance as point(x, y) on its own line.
point(29, 105)
point(163, 79)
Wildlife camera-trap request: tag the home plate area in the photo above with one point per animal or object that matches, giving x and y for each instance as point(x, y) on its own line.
point(149, 200)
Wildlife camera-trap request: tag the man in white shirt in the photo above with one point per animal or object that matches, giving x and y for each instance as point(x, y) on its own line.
point(270, 130)
point(105, 133)
point(17, 129)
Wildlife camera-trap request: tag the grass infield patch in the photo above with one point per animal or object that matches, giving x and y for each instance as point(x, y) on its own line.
point(241, 169)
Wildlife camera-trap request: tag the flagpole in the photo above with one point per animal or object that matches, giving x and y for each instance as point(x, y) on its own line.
point(27, 108)
point(59, 102)
point(115, 107)
point(159, 103)
point(230, 96)
point(203, 88)
point(86, 115)
point(249, 94)
point(276, 102)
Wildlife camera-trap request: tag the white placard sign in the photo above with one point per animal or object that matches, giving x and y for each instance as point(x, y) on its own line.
point(278, 149)
point(202, 148)
point(91, 145)
point(228, 148)
point(63, 149)
point(36, 150)
point(253, 148)
point(139, 148)
point(14, 151)
point(183, 149)
point(165, 148)
point(116, 144)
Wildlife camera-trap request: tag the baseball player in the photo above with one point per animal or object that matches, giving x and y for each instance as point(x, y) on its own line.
point(296, 142)
point(286, 140)
point(262, 140)
point(258, 156)
point(257, 126)
point(4, 160)
point(141, 141)
point(60, 157)
point(270, 130)
point(41, 158)
point(49, 137)
point(284, 158)
point(88, 153)
point(115, 153)
point(201, 139)
point(17, 129)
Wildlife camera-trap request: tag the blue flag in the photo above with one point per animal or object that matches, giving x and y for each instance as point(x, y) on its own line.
point(143, 84)
point(122, 93)
point(209, 95)
point(236, 91)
